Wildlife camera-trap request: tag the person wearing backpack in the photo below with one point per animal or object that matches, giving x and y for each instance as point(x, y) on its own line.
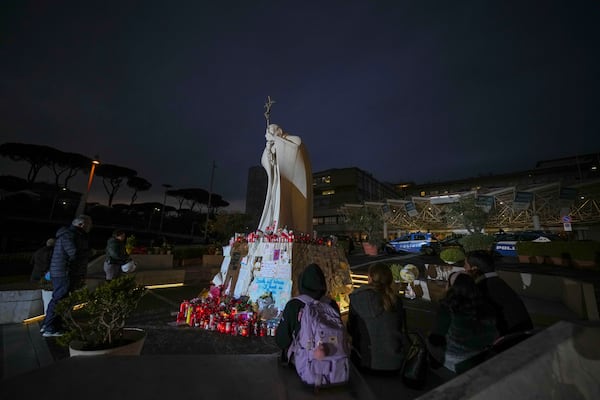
point(311, 333)
point(375, 322)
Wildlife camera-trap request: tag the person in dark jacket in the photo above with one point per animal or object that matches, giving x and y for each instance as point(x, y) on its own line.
point(465, 325)
point(312, 283)
point(512, 315)
point(375, 322)
point(116, 254)
point(41, 260)
point(68, 267)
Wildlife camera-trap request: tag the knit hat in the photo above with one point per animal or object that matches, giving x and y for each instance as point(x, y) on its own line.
point(312, 282)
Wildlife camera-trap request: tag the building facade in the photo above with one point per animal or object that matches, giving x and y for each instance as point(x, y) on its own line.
point(547, 182)
point(335, 187)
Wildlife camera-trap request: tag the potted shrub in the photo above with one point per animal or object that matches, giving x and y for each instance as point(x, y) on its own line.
point(367, 220)
point(476, 241)
point(99, 326)
point(581, 254)
point(452, 255)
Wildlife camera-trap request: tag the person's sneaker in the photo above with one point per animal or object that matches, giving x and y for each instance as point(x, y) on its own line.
point(42, 329)
point(52, 334)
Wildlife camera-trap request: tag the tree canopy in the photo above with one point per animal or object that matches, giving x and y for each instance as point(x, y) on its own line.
point(472, 217)
point(138, 184)
point(37, 156)
point(112, 178)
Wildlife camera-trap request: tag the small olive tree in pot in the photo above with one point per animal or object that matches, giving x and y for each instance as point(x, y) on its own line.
point(95, 320)
point(367, 220)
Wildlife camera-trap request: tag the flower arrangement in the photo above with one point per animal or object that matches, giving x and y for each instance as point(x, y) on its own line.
point(130, 244)
point(224, 314)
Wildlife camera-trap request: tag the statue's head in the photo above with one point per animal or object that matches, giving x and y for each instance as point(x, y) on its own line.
point(274, 130)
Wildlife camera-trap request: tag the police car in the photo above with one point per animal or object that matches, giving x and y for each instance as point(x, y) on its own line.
point(506, 243)
point(416, 242)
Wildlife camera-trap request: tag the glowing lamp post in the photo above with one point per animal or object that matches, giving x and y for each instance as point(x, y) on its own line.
point(84, 197)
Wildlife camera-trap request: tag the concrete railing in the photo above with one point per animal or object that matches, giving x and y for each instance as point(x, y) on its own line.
point(17, 305)
point(578, 296)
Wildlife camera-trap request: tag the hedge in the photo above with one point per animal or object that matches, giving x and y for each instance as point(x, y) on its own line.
point(476, 241)
point(192, 251)
point(575, 250)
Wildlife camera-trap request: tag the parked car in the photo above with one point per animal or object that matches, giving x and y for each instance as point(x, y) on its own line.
point(450, 241)
point(506, 242)
point(416, 242)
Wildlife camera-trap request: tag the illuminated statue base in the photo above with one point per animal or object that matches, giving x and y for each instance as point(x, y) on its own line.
point(257, 269)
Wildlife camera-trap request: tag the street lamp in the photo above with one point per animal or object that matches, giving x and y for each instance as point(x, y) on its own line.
point(84, 197)
point(154, 209)
point(162, 215)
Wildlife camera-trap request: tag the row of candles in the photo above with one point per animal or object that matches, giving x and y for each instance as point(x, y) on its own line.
point(282, 237)
point(210, 315)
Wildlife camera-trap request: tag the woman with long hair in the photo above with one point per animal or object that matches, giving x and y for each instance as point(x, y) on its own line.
point(465, 324)
point(375, 322)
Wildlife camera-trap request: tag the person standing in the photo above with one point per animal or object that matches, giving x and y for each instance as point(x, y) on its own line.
point(375, 322)
point(68, 267)
point(41, 260)
point(116, 254)
point(512, 315)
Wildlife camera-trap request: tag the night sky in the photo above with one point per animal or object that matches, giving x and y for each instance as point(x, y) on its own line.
point(420, 91)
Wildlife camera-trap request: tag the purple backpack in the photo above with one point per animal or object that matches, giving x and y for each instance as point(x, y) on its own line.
point(320, 350)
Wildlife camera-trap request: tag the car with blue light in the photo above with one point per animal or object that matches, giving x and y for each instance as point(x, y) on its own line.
point(416, 242)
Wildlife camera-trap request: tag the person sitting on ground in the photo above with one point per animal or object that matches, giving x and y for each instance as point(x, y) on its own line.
point(41, 260)
point(116, 255)
point(465, 324)
point(512, 315)
point(375, 322)
point(312, 283)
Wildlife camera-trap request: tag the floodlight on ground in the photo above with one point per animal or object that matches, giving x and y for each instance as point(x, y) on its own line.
point(164, 286)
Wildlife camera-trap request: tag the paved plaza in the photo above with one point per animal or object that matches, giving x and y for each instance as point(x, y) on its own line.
point(186, 361)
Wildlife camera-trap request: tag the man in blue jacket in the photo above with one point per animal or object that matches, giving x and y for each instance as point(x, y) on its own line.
point(68, 268)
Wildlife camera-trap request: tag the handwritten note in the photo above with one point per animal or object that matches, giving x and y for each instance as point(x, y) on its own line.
point(280, 289)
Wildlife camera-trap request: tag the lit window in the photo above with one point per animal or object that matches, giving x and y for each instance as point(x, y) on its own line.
point(327, 192)
point(332, 220)
point(326, 179)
